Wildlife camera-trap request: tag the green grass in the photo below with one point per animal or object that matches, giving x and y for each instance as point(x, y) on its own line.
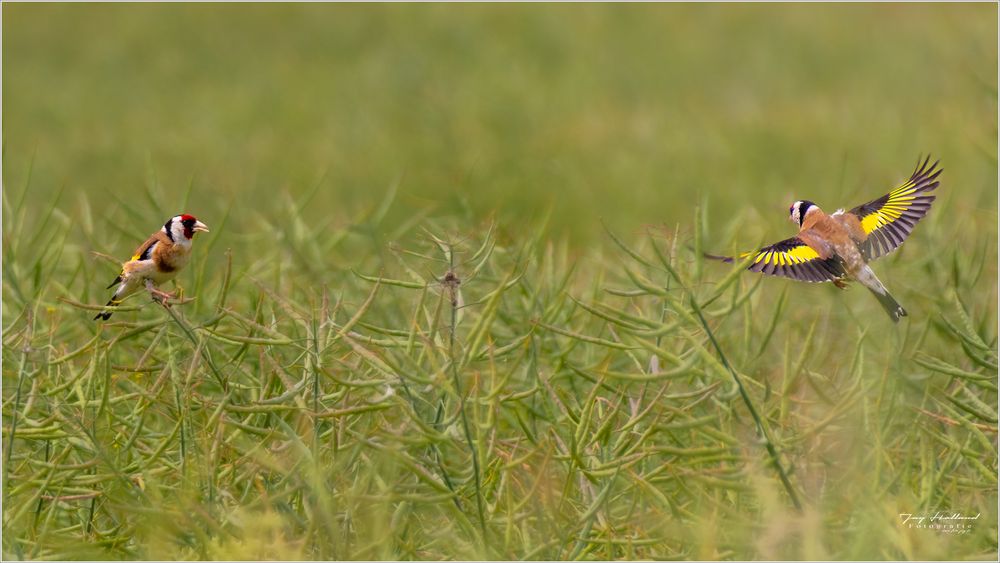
point(584, 386)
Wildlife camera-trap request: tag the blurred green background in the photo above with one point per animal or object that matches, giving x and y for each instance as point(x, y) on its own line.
point(627, 113)
point(284, 127)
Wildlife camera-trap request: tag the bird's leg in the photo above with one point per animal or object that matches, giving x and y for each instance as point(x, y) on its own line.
point(158, 295)
point(840, 283)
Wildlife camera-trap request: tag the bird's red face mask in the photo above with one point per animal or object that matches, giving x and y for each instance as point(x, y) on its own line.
point(192, 225)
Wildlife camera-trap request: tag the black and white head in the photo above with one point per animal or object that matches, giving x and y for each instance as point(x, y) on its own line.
point(181, 228)
point(800, 210)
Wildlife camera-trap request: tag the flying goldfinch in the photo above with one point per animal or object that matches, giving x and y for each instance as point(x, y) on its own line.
point(838, 247)
point(156, 261)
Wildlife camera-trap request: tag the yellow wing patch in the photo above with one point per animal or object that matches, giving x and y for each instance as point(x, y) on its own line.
point(889, 219)
point(794, 255)
point(897, 203)
point(793, 258)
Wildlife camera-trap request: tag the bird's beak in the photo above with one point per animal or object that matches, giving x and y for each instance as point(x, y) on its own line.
point(200, 227)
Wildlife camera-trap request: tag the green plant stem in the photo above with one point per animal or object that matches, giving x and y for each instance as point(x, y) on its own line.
point(768, 443)
point(22, 368)
point(204, 353)
point(453, 300)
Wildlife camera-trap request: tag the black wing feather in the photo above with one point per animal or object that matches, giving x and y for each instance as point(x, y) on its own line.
point(793, 258)
point(891, 218)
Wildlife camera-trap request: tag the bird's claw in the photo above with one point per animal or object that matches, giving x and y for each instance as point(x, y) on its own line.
point(161, 297)
point(840, 283)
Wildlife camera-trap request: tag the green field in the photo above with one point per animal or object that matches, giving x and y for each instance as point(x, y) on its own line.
point(578, 394)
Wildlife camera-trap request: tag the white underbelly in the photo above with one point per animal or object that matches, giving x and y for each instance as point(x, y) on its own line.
point(147, 270)
point(158, 277)
point(853, 261)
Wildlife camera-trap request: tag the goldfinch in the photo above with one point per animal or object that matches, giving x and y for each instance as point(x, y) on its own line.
point(156, 261)
point(838, 247)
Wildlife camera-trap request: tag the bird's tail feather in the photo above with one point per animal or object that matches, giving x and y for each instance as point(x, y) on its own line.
point(868, 279)
point(895, 310)
point(105, 315)
point(117, 297)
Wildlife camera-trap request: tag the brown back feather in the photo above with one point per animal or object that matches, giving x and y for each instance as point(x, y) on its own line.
point(158, 236)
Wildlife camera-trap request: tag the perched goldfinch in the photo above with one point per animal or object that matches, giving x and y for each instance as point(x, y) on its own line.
point(156, 261)
point(838, 247)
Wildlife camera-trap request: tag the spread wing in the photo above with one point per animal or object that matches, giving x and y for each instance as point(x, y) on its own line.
point(889, 219)
point(793, 258)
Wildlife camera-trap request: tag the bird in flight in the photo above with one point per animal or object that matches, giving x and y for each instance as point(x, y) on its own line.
point(839, 246)
point(156, 261)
